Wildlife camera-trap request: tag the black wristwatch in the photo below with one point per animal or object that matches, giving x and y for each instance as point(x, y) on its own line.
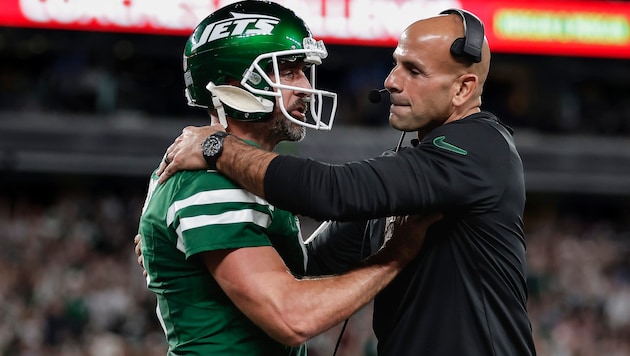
point(212, 147)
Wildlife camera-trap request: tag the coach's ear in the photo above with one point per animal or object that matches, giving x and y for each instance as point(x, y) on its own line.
point(464, 88)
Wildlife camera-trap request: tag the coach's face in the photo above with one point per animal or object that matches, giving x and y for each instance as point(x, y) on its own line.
point(422, 82)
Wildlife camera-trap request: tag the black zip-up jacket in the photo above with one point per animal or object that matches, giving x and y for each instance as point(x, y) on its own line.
point(466, 293)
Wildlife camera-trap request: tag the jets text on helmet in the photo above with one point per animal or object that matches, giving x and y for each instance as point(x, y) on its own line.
point(241, 24)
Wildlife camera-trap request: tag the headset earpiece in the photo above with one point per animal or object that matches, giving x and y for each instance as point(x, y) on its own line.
point(471, 44)
point(457, 48)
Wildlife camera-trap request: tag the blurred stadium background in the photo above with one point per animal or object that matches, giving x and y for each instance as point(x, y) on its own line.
point(90, 96)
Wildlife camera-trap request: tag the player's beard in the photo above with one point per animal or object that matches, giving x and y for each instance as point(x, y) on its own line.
point(286, 130)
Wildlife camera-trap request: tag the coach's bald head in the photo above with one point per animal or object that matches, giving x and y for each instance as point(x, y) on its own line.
point(428, 85)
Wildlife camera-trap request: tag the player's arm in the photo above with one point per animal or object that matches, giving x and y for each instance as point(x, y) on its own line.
point(294, 310)
point(335, 249)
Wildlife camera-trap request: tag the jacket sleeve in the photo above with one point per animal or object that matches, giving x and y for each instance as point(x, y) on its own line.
point(337, 248)
point(340, 246)
point(353, 191)
point(415, 180)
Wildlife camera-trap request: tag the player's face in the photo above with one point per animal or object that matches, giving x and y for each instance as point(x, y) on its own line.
point(420, 83)
point(295, 102)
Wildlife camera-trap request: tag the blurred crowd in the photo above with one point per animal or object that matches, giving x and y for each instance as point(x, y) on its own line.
point(70, 284)
point(579, 285)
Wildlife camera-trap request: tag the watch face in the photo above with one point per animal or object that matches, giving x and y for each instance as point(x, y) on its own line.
point(211, 146)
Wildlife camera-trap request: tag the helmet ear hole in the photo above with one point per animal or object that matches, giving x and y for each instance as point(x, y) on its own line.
point(240, 99)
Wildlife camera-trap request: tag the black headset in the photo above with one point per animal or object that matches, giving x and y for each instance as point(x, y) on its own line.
point(470, 45)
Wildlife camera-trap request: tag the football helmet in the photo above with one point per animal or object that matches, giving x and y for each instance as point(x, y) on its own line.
point(245, 42)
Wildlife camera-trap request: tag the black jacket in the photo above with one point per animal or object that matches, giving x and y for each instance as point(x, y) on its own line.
point(466, 293)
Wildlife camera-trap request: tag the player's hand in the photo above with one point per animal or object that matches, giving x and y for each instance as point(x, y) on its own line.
point(138, 249)
point(185, 153)
point(404, 235)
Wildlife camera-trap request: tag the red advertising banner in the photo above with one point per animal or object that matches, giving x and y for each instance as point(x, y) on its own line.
point(571, 28)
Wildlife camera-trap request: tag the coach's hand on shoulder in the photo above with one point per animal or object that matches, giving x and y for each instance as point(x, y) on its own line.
point(185, 153)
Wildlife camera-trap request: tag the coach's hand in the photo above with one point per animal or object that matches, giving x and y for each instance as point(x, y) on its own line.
point(185, 153)
point(407, 236)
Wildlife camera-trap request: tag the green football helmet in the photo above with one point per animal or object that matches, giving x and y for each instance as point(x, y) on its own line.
point(245, 42)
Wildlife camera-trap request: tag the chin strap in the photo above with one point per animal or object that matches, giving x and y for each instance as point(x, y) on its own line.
point(218, 105)
point(220, 110)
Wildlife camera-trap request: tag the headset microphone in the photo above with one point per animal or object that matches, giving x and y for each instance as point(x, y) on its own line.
point(375, 95)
